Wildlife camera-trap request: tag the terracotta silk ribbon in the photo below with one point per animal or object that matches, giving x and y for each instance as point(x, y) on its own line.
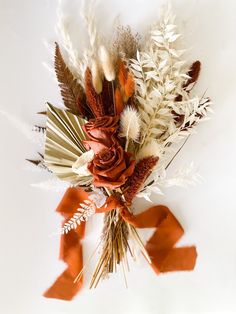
point(165, 257)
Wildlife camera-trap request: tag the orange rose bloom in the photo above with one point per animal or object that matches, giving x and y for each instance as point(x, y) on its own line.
point(101, 132)
point(111, 167)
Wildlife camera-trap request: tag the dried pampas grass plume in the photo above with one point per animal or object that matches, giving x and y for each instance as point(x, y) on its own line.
point(130, 124)
point(96, 77)
point(107, 64)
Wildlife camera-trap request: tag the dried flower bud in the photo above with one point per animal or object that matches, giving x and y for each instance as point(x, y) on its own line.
point(130, 124)
point(80, 167)
point(96, 77)
point(150, 149)
point(107, 64)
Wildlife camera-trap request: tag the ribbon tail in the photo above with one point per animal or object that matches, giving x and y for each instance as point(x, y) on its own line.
point(165, 257)
point(71, 251)
point(178, 259)
point(64, 287)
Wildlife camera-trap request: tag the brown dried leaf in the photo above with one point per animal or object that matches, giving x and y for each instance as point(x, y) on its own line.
point(193, 72)
point(71, 91)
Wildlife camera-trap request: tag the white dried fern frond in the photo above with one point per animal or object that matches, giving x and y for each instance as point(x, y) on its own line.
point(86, 209)
point(130, 124)
point(183, 177)
point(194, 111)
point(160, 75)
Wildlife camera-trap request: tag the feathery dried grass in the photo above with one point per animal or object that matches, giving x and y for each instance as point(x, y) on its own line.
point(130, 124)
point(125, 42)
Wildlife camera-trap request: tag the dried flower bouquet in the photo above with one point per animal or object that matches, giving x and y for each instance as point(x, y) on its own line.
point(129, 108)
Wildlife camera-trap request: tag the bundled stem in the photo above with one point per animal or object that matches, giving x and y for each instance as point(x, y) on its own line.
point(115, 245)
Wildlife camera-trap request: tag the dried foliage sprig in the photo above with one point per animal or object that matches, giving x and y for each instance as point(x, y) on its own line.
point(86, 209)
point(183, 177)
point(159, 78)
point(72, 93)
point(168, 112)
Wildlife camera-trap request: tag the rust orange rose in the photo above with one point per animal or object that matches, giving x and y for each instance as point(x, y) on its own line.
point(111, 167)
point(101, 132)
point(97, 129)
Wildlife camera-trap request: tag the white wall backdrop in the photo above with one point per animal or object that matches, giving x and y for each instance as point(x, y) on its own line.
point(28, 261)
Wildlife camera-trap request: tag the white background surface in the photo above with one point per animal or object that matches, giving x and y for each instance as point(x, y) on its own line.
point(28, 262)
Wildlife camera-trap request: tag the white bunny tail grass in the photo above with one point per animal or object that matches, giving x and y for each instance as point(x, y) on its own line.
point(130, 124)
point(151, 149)
point(96, 77)
point(107, 63)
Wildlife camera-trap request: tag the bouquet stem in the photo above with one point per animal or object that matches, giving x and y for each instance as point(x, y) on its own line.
point(115, 246)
